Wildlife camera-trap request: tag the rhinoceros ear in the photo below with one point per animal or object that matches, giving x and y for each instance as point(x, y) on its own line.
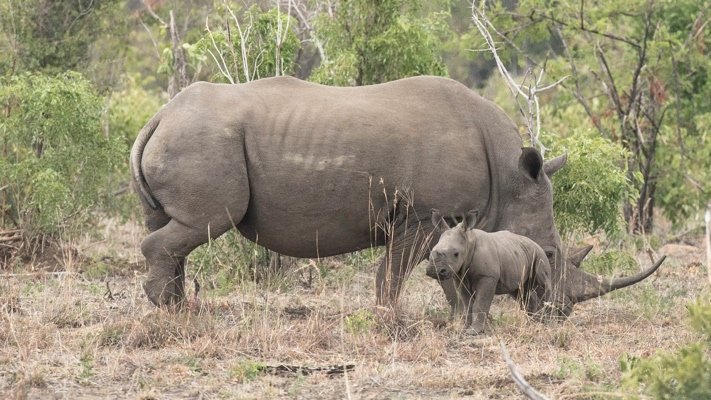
point(437, 221)
point(471, 218)
point(552, 166)
point(531, 162)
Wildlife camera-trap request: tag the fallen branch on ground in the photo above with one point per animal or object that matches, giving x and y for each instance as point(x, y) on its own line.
point(518, 378)
point(297, 370)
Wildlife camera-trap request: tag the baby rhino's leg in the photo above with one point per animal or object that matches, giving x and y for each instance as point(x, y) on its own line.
point(485, 289)
point(459, 296)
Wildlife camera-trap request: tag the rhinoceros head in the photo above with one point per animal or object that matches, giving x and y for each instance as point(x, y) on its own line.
point(448, 255)
point(525, 207)
point(573, 285)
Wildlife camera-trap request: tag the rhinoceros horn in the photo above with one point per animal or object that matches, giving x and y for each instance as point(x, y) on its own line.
point(576, 255)
point(581, 286)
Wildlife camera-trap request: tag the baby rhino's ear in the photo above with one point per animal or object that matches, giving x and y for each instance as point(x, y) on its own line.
point(471, 218)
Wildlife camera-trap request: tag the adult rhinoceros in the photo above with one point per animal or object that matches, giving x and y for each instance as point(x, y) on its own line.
point(309, 170)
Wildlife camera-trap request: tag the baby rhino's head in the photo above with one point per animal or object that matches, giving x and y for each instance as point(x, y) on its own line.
point(447, 256)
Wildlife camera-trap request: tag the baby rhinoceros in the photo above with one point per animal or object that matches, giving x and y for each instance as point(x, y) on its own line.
point(485, 264)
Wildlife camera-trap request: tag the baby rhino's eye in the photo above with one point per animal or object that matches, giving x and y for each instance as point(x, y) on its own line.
point(456, 254)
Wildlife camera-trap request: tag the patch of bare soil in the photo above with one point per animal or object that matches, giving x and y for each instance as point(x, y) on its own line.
point(92, 334)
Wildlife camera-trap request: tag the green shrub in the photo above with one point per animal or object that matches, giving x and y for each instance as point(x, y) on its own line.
point(367, 42)
point(360, 322)
point(269, 48)
point(228, 262)
point(56, 158)
point(610, 262)
point(246, 370)
point(590, 191)
point(684, 374)
point(130, 108)
point(700, 317)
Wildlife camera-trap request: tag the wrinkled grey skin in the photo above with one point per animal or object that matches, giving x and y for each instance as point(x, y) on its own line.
point(312, 171)
point(486, 264)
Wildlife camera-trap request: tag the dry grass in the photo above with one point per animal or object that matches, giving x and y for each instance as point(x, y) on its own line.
point(66, 335)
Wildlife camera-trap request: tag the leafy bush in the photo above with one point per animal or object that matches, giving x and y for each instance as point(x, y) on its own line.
point(56, 159)
point(610, 262)
point(130, 107)
point(684, 374)
point(590, 191)
point(229, 261)
point(368, 42)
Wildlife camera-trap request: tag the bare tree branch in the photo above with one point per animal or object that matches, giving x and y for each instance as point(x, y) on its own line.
point(518, 378)
point(544, 16)
point(642, 59)
point(577, 93)
point(221, 64)
point(612, 87)
point(154, 15)
point(527, 92)
point(150, 36)
point(179, 79)
point(242, 41)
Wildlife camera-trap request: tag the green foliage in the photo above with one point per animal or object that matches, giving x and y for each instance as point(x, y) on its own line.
point(246, 370)
point(638, 74)
point(610, 262)
point(54, 36)
point(569, 368)
point(700, 317)
point(252, 44)
point(360, 322)
point(369, 42)
point(228, 261)
point(590, 191)
point(56, 158)
point(130, 107)
point(684, 374)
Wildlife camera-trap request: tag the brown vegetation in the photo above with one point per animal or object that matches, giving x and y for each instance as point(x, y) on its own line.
point(87, 331)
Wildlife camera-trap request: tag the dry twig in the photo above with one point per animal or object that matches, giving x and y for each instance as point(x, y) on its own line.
point(518, 378)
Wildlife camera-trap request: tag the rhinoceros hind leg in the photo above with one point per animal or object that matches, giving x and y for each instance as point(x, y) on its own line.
point(165, 251)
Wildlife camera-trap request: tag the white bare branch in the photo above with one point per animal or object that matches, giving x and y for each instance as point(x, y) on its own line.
point(521, 91)
point(242, 41)
point(154, 15)
point(221, 64)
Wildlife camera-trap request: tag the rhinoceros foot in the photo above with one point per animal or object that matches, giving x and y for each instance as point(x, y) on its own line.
point(165, 292)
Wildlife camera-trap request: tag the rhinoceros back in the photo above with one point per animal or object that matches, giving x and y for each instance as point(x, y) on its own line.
point(324, 164)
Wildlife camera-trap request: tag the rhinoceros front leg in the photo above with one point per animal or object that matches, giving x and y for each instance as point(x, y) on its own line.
point(485, 288)
point(403, 251)
point(459, 296)
point(165, 251)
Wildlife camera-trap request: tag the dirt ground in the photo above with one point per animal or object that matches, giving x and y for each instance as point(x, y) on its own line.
point(83, 329)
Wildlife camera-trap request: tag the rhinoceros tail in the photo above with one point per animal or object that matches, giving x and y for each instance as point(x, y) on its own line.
point(136, 155)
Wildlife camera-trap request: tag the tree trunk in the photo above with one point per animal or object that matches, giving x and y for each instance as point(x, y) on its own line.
point(179, 79)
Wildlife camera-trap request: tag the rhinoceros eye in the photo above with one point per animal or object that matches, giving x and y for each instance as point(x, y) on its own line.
point(456, 254)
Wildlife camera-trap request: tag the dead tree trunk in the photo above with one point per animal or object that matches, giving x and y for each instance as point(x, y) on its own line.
point(179, 78)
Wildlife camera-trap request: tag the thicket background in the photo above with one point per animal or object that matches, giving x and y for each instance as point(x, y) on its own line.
point(79, 79)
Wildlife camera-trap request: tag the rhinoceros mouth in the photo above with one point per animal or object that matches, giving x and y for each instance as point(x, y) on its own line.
point(441, 276)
